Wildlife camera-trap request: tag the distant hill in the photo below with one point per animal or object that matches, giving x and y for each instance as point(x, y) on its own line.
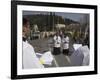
point(46, 22)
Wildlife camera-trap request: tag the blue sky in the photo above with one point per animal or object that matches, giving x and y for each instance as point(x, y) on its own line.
point(73, 16)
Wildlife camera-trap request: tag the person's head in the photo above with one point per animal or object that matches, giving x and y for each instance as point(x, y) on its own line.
point(86, 41)
point(66, 35)
point(57, 33)
point(26, 27)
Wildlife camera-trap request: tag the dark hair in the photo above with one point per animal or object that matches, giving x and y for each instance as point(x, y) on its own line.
point(25, 21)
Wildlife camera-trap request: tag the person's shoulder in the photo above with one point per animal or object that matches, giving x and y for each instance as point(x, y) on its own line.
point(27, 45)
point(59, 36)
point(67, 36)
point(84, 49)
point(54, 37)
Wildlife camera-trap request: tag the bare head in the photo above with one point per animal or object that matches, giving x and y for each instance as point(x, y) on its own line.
point(57, 33)
point(26, 27)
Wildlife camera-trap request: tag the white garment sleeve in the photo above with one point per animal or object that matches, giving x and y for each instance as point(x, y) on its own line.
point(86, 53)
point(30, 60)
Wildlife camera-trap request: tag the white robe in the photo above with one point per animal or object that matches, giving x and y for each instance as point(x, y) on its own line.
point(86, 53)
point(30, 60)
point(57, 41)
point(65, 42)
point(81, 56)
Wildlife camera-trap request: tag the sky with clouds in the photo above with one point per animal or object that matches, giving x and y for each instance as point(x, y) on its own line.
point(73, 16)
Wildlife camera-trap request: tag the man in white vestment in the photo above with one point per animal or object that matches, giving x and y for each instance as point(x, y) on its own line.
point(65, 42)
point(81, 56)
point(29, 58)
point(57, 44)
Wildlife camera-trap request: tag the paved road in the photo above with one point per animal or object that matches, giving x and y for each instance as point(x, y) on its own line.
point(41, 45)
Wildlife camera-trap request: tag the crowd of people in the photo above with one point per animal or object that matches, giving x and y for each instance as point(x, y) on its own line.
point(80, 55)
point(29, 58)
point(60, 41)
